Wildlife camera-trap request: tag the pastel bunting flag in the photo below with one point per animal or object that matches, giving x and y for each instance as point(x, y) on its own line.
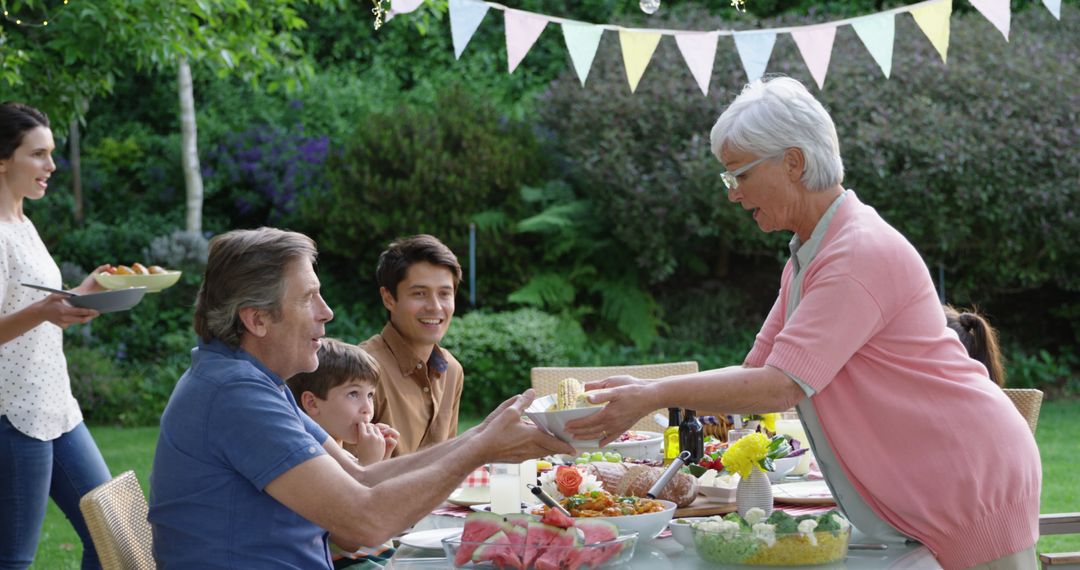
point(997, 11)
point(637, 50)
point(877, 33)
point(755, 48)
point(699, 51)
point(581, 41)
point(465, 17)
point(404, 6)
point(1054, 6)
point(933, 19)
point(522, 30)
point(815, 44)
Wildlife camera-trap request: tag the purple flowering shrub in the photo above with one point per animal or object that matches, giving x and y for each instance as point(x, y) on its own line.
point(257, 175)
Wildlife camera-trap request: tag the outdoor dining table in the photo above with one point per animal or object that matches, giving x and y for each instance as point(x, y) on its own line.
point(663, 553)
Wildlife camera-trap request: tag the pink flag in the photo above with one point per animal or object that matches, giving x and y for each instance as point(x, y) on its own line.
point(522, 30)
point(699, 51)
point(815, 44)
point(997, 11)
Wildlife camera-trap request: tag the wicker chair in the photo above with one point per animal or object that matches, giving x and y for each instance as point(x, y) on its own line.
point(115, 513)
point(546, 380)
point(1029, 402)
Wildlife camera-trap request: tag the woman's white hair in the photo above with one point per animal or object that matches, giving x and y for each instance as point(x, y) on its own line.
point(777, 113)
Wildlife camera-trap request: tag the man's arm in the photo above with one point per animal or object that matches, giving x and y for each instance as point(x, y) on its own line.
point(406, 488)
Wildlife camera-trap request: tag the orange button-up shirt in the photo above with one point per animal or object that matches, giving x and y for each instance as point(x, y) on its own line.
point(418, 396)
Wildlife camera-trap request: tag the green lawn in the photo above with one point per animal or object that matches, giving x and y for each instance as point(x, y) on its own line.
point(134, 449)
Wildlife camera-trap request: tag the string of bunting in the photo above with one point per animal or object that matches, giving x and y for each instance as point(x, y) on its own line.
point(698, 48)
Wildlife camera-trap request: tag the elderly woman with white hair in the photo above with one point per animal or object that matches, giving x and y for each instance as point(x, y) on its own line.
point(914, 439)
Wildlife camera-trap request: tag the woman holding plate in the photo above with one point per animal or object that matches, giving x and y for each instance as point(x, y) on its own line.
point(914, 439)
point(45, 449)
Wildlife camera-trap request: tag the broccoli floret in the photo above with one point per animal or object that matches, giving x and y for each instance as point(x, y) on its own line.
point(735, 518)
point(829, 521)
point(784, 522)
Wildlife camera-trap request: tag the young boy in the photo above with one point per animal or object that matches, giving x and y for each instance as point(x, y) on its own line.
point(340, 396)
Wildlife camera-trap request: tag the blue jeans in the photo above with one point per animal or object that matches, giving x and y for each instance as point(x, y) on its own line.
point(31, 471)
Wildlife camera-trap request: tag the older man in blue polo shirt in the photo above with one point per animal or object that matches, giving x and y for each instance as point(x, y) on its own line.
point(242, 478)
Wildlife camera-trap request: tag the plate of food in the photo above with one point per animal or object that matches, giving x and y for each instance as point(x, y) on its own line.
point(647, 517)
point(154, 278)
point(776, 540)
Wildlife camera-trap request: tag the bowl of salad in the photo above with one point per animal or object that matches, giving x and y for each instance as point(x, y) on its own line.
point(777, 540)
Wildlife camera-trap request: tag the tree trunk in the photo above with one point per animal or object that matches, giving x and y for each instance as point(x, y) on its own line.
point(190, 150)
point(76, 169)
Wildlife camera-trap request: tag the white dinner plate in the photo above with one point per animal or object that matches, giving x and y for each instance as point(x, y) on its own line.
point(803, 493)
point(431, 539)
point(469, 496)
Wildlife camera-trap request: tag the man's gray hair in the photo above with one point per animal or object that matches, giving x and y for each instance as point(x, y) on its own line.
point(246, 268)
point(777, 113)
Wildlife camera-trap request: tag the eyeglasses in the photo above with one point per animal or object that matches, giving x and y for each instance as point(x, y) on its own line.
point(731, 178)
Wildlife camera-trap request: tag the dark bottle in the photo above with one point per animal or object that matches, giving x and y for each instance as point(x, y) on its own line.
point(692, 436)
point(671, 436)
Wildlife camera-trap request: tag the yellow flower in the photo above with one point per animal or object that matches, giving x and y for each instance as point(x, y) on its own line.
point(748, 451)
point(769, 421)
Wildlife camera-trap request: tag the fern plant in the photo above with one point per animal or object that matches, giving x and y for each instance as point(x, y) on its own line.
point(582, 276)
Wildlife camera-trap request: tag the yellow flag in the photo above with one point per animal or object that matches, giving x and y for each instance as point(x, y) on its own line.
point(637, 50)
point(933, 19)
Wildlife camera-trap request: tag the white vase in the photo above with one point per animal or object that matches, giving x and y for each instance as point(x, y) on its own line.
point(754, 491)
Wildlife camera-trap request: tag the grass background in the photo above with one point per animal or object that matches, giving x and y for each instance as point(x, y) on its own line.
point(133, 448)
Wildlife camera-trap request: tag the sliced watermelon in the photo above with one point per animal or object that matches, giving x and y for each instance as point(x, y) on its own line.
point(555, 517)
point(596, 531)
point(479, 526)
point(499, 551)
point(516, 528)
point(553, 556)
point(539, 536)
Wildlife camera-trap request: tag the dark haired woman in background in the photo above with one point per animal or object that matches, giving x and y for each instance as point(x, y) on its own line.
point(980, 340)
point(45, 449)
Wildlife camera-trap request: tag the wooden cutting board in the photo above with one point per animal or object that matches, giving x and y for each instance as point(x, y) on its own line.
point(703, 507)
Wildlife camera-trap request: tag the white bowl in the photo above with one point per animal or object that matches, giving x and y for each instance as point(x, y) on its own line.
point(781, 467)
point(681, 531)
point(651, 448)
point(555, 422)
point(648, 525)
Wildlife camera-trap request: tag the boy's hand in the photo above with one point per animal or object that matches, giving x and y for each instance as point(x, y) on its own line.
point(390, 437)
point(370, 443)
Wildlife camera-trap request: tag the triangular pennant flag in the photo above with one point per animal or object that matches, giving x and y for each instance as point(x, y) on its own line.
point(637, 50)
point(815, 44)
point(997, 11)
point(754, 51)
point(465, 17)
point(522, 29)
point(404, 6)
point(877, 33)
point(933, 19)
point(1054, 6)
point(699, 51)
point(581, 42)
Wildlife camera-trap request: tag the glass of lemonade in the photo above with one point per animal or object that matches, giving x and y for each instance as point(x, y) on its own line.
point(789, 424)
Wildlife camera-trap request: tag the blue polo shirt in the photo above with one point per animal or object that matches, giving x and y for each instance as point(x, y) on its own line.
point(230, 428)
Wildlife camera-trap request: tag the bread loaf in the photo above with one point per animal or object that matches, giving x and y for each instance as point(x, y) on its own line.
point(636, 480)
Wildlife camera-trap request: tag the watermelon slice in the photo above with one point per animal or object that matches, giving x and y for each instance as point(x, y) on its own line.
point(479, 526)
point(555, 517)
point(539, 536)
point(516, 527)
point(596, 531)
point(555, 553)
point(499, 551)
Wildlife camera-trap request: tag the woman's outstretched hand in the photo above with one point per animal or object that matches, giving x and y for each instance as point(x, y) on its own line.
point(56, 310)
point(627, 399)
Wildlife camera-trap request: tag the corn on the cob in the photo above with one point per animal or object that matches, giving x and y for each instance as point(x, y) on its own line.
point(568, 392)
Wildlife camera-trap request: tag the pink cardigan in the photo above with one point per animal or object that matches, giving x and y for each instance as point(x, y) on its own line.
point(931, 444)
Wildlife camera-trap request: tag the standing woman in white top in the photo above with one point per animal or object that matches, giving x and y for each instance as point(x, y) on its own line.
point(45, 449)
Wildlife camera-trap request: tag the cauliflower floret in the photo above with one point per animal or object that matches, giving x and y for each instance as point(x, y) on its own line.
point(806, 528)
point(766, 533)
point(841, 521)
point(754, 516)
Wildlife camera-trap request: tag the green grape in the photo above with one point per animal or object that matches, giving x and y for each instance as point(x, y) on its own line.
point(596, 456)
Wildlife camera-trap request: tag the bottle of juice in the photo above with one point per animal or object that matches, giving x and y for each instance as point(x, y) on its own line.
point(692, 436)
point(671, 436)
